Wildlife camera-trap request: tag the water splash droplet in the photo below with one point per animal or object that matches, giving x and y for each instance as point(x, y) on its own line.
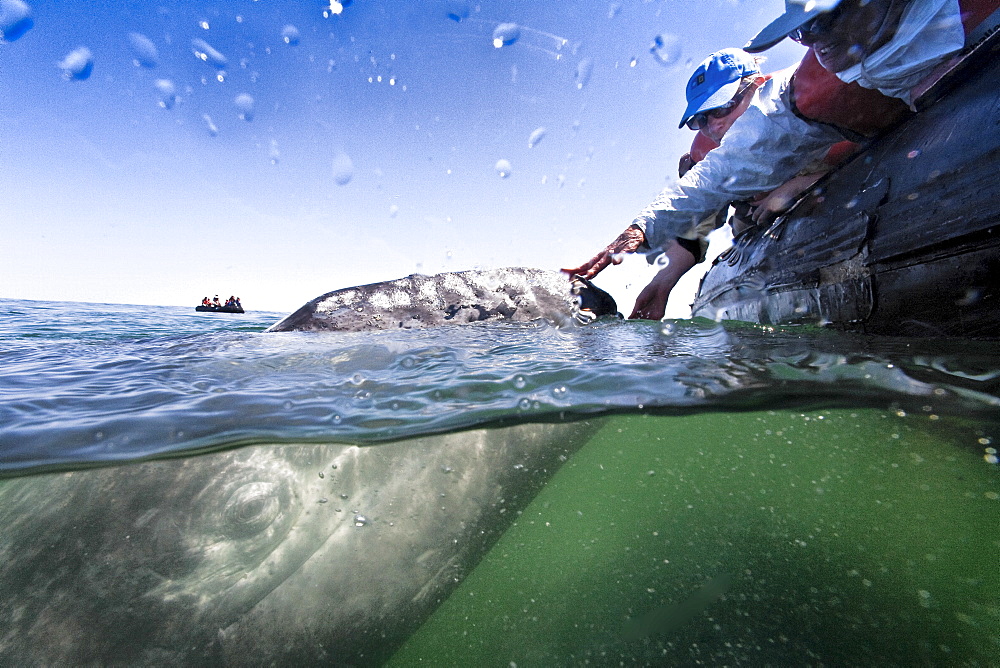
point(15, 20)
point(520, 382)
point(536, 137)
point(393, 211)
point(78, 64)
point(503, 168)
point(524, 404)
point(343, 169)
point(203, 51)
point(167, 93)
point(583, 71)
point(143, 50)
point(457, 10)
point(290, 35)
point(244, 106)
point(666, 48)
point(360, 520)
point(212, 129)
point(506, 34)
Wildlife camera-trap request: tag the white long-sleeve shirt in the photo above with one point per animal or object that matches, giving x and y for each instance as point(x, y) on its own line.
point(765, 147)
point(769, 144)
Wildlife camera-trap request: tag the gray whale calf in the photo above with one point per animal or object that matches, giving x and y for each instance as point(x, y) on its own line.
point(280, 554)
point(515, 294)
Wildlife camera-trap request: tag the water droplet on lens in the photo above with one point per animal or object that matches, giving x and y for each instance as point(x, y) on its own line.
point(360, 520)
point(583, 71)
point(524, 404)
point(167, 92)
point(321, 475)
point(322, 500)
point(143, 50)
point(393, 210)
point(536, 137)
point(343, 169)
point(503, 168)
point(519, 382)
point(668, 328)
point(446, 469)
point(244, 105)
point(357, 379)
point(666, 48)
point(15, 20)
point(78, 64)
point(290, 35)
point(913, 154)
point(506, 34)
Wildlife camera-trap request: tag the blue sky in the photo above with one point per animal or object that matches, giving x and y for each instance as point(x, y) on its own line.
point(368, 152)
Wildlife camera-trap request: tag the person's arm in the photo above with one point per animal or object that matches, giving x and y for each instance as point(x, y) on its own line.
point(763, 149)
point(628, 241)
point(652, 301)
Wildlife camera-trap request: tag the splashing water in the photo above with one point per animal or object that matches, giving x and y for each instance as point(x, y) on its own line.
point(144, 53)
point(78, 64)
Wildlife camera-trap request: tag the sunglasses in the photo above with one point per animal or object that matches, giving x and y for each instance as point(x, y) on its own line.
point(810, 31)
point(700, 120)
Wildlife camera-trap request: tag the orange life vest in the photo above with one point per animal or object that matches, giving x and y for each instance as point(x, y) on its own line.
point(818, 95)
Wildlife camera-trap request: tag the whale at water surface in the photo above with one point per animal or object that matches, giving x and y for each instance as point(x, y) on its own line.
point(265, 555)
point(280, 554)
point(514, 294)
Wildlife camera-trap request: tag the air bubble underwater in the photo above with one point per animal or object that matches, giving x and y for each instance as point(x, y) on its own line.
point(78, 64)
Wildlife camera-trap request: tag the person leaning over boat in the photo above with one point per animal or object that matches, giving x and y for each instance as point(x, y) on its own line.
point(888, 45)
point(711, 121)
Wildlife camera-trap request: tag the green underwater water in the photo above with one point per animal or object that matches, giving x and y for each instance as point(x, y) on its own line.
point(834, 537)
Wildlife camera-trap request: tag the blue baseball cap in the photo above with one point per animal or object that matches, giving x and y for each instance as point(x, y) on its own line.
point(717, 80)
point(797, 14)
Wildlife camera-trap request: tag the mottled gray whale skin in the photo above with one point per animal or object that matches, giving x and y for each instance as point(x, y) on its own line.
point(265, 555)
point(284, 554)
point(515, 294)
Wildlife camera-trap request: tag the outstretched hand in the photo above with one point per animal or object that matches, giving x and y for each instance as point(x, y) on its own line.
point(628, 241)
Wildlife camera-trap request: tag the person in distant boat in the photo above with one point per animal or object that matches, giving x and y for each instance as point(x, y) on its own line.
point(238, 304)
point(205, 302)
point(231, 302)
point(215, 302)
point(887, 46)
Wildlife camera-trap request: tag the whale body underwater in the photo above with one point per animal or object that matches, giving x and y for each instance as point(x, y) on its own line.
point(274, 554)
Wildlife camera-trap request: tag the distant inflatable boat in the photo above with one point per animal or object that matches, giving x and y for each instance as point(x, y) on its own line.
point(219, 309)
point(904, 239)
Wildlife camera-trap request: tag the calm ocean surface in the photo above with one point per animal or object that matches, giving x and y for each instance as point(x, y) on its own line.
point(749, 496)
